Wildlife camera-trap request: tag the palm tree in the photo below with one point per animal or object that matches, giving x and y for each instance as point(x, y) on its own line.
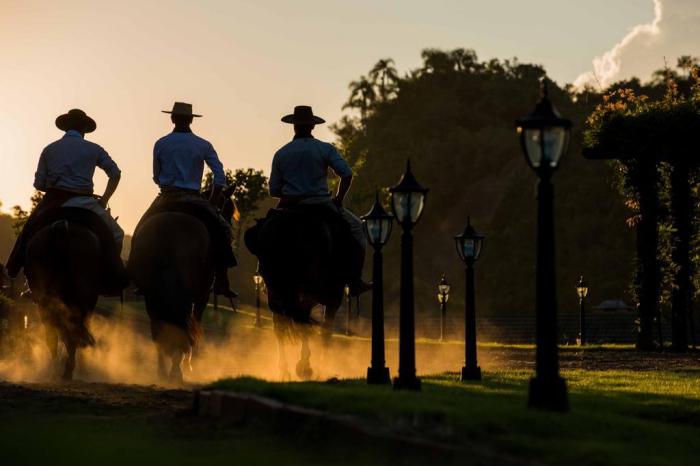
point(362, 96)
point(436, 61)
point(384, 76)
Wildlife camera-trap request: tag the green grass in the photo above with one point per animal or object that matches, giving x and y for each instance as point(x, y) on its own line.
point(617, 417)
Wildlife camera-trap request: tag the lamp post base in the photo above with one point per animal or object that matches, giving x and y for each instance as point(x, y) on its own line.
point(548, 394)
point(471, 373)
point(406, 383)
point(378, 376)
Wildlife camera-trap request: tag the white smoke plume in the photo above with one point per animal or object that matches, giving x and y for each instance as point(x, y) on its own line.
point(674, 31)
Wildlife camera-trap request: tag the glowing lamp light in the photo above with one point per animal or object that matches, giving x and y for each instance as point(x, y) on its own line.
point(581, 288)
point(443, 291)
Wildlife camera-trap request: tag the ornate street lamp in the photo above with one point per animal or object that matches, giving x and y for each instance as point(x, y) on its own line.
point(582, 292)
point(258, 280)
point(407, 202)
point(469, 245)
point(377, 224)
point(544, 137)
point(443, 295)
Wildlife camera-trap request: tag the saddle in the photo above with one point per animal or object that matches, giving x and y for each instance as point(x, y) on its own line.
point(179, 204)
point(339, 229)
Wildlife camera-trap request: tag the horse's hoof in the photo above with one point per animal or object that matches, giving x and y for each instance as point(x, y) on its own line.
point(304, 371)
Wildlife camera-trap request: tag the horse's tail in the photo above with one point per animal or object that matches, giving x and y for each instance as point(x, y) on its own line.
point(171, 304)
point(62, 313)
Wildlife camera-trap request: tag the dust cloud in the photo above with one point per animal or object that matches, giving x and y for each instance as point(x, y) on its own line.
point(232, 346)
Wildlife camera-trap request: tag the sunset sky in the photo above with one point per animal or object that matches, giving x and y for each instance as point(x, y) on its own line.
point(243, 64)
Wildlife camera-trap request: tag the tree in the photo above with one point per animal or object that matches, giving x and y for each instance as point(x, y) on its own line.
point(384, 76)
point(249, 188)
point(454, 120)
point(20, 215)
point(362, 97)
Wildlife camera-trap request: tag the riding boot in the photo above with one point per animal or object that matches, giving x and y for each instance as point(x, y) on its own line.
point(222, 286)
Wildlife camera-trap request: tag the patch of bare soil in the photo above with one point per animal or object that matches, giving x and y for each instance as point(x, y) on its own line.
point(98, 398)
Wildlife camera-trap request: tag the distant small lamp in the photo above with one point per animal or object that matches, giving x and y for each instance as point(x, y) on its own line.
point(348, 305)
point(443, 296)
point(469, 245)
point(259, 284)
point(582, 292)
point(582, 288)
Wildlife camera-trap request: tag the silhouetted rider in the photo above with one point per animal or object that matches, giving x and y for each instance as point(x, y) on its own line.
point(299, 176)
point(178, 165)
point(65, 172)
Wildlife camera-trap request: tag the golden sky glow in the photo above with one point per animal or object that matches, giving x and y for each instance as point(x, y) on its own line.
point(243, 64)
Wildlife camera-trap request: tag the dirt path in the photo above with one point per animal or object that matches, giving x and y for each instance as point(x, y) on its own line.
point(100, 398)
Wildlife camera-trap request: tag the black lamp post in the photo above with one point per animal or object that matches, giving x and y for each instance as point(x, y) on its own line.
point(407, 202)
point(443, 296)
point(377, 224)
point(582, 292)
point(469, 245)
point(544, 137)
point(258, 280)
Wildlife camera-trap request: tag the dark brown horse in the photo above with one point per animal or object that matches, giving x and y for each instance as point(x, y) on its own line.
point(172, 263)
point(302, 269)
point(64, 269)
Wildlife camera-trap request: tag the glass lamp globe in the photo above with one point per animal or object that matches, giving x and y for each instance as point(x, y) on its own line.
point(443, 291)
point(581, 288)
point(544, 134)
point(408, 198)
point(469, 243)
point(377, 224)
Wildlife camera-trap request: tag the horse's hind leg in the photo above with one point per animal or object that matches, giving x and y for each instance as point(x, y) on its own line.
point(51, 339)
point(303, 369)
point(178, 356)
point(71, 347)
point(280, 326)
point(162, 369)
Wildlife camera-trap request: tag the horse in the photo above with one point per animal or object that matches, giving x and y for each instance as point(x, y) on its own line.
point(172, 262)
point(64, 268)
point(299, 262)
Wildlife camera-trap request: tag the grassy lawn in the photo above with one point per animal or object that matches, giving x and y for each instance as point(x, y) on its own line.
point(617, 417)
point(51, 427)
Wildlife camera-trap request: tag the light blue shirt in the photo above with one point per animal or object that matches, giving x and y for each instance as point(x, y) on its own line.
point(70, 162)
point(300, 168)
point(179, 158)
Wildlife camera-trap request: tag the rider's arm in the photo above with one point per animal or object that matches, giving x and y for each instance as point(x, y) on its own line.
point(341, 168)
point(112, 184)
point(105, 162)
point(343, 188)
point(41, 174)
point(216, 167)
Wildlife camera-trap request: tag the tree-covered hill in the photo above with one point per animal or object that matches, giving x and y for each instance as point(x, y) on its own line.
point(454, 118)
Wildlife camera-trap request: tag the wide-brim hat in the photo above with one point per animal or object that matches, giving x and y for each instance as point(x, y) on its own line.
point(303, 115)
point(181, 109)
point(74, 119)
